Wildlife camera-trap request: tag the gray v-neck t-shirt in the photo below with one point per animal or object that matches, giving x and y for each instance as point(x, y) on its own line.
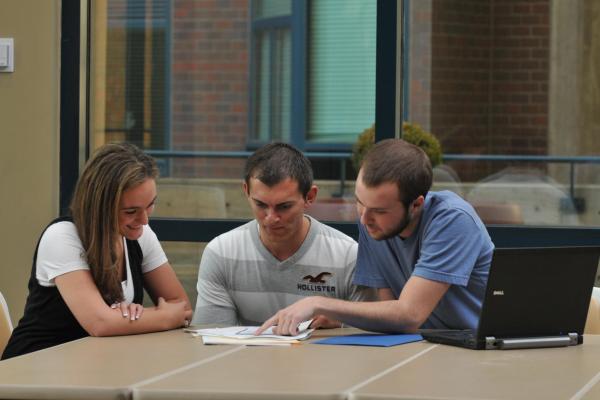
point(241, 282)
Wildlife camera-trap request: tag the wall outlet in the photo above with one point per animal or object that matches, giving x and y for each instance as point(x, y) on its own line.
point(7, 55)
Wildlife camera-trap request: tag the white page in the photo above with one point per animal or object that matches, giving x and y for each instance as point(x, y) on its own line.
point(247, 332)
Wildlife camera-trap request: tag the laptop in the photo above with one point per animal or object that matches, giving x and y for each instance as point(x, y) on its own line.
point(535, 297)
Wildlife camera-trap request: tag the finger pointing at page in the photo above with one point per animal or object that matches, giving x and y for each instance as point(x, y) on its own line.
point(268, 323)
point(286, 321)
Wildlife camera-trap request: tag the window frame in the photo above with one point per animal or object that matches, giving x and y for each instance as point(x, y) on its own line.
point(71, 17)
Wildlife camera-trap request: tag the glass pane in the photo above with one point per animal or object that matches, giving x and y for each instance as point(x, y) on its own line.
point(184, 257)
point(342, 69)
point(513, 80)
point(273, 85)
point(202, 84)
point(272, 8)
point(283, 75)
point(134, 52)
point(262, 82)
point(173, 76)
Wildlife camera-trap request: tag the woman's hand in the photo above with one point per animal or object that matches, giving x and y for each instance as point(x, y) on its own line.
point(176, 312)
point(84, 300)
point(132, 311)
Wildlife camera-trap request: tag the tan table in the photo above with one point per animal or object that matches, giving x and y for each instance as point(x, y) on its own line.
point(305, 371)
point(174, 365)
point(448, 372)
point(101, 368)
point(592, 390)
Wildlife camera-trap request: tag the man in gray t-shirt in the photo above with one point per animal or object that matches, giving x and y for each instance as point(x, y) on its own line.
point(281, 256)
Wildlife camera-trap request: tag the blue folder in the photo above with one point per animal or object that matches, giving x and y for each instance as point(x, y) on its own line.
point(371, 339)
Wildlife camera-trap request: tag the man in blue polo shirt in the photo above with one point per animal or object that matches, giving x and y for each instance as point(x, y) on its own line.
point(427, 253)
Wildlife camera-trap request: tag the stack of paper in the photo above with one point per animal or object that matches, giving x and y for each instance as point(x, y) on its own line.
point(245, 335)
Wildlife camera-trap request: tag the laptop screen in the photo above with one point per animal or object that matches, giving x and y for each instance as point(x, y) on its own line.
point(538, 291)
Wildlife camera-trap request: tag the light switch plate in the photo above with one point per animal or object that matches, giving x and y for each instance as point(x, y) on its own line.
point(7, 55)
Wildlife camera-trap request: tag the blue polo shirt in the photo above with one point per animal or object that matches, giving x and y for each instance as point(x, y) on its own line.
point(450, 245)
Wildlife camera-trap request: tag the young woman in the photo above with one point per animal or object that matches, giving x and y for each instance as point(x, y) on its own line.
point(89, 269)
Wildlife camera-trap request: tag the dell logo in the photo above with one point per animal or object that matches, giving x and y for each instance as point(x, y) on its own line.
point(498, 292)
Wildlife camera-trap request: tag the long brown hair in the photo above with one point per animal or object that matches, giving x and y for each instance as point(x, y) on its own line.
point(113, 169)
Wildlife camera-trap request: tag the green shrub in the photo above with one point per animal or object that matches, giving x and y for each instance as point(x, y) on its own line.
point(412, 133)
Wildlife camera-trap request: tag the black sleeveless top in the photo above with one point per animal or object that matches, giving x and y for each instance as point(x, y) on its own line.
point(47, 321)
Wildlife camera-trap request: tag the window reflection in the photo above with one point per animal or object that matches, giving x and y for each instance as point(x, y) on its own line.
point(184, 257)
point(204, 76)
point(510, 79)
point(507, 79)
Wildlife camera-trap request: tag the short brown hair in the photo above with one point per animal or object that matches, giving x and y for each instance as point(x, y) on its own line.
point(276, 162)
point(399, 162)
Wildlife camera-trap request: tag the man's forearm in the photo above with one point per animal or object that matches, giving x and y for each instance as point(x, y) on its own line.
point(378, 316)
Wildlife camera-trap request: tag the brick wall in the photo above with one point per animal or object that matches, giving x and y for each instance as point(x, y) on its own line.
point(519, 84)
point(488, 82)
point(209, 83)
point(460, 72)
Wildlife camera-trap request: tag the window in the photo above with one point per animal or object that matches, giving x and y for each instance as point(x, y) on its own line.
point(135, 56)
point(313, 71)
point(492, 80)
point(271, 80)
point(201, 84)
point(341, 77)
point(507, 87)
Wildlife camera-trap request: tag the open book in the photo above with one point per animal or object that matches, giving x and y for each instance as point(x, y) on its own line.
point(244, 335)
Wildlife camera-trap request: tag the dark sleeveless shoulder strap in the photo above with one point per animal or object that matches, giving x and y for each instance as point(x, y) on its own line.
point(136, 256)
